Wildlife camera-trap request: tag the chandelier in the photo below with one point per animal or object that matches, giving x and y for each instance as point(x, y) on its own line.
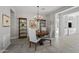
point(38, 16)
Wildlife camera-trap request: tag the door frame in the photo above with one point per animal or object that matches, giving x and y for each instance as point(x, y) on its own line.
point(57, 24)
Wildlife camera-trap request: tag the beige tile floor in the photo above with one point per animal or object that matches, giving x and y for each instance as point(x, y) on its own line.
point(22, 46)
point(68, 44)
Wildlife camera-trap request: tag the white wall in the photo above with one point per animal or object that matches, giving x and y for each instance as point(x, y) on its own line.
point(61, 25)
point(50, 22)
point(51, 18)
point(4, 31)
point(75, 24)
point(75, 21)
point(14, 25)
point(69, 16)
point(29, 16)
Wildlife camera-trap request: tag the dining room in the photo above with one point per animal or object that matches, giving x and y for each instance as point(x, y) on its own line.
point(33, 29)
point(31, 26)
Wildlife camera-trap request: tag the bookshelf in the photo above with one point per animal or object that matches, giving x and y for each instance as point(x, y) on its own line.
point(43, 25)
point(22, 27)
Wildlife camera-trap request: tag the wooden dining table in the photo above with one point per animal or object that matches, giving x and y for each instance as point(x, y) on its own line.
point(41, 34)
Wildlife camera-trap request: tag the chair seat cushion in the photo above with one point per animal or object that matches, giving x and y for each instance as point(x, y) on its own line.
point(36, 41)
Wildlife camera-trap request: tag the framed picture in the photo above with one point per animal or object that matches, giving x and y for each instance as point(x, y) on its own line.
point(5, 21)
point(33, 23)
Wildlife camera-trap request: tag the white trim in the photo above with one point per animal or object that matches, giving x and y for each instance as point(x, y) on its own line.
point(67, 9)
point(13, 10)
point(57, 14)
point(57, 29)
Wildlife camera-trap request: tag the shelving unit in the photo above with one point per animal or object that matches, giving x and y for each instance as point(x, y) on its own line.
point(43, 25)
point(22, 27)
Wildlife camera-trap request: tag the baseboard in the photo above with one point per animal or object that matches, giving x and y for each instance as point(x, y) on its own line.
point(4, 49)
point(14, 37)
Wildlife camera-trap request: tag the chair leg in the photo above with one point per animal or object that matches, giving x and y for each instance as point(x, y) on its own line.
point(50, 42)
point(29, 44)
point(35, 46)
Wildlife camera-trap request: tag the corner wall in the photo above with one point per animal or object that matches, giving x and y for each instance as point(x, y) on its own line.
point(4, 31)
point(14, 24)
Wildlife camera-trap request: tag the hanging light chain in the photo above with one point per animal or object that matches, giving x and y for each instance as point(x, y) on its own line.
point(37, 11)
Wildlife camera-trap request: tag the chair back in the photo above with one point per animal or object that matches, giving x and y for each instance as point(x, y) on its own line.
point(32, 35)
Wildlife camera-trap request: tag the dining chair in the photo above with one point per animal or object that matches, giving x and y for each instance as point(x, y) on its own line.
point(32, 37)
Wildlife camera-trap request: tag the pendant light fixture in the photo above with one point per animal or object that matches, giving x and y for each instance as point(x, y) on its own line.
point(38, 16)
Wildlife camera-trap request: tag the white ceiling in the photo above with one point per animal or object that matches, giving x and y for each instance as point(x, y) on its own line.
point(33, 9)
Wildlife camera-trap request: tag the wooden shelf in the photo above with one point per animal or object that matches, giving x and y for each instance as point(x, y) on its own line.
point(42, 24)
point(22, 27)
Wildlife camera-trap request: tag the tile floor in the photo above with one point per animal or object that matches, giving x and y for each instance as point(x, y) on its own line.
point(22, 46)
point(66, 45)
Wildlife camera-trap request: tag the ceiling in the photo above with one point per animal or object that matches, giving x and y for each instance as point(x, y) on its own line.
point(33, 9)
